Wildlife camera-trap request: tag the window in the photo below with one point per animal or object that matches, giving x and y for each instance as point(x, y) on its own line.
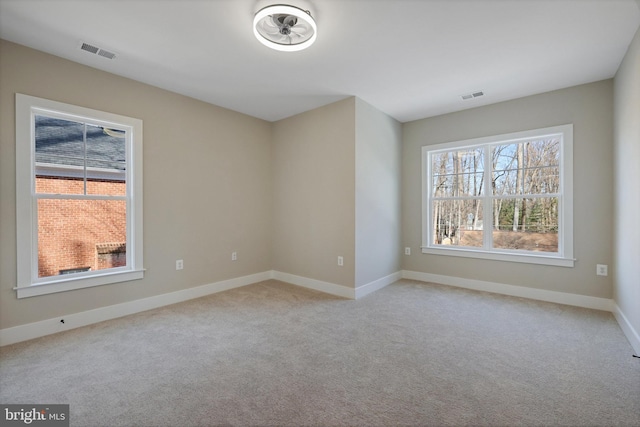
point(79, 197)
point(506, 197)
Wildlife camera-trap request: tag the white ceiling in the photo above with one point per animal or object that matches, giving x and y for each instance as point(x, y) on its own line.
point(409, 58)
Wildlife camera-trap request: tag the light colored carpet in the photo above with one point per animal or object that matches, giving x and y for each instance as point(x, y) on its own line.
point(275, 354)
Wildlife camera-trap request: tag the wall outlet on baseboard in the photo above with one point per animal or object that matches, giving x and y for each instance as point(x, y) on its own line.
point(602, 270)
point(407, 251)
point(340, 261)
point(179, 264)
point(234, 256)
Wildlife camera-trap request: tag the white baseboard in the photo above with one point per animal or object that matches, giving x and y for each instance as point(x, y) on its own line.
point(50, 326)
point(517, 291)
point(71, 321)
point(632, 335)
point(376, 285)
point(338, 290)
point(317, 285)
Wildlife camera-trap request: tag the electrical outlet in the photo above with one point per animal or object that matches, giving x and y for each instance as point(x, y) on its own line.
point(234, 256)
point(340, 261)
point(407, 251)
point(179, 264)
point(602, 270)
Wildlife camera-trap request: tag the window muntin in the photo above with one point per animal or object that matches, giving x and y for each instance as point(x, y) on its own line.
point(79, 190)
point(528, 207)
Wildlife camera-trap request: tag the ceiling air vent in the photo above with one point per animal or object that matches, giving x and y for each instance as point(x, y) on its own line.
point(472, 95)
point(106, 54)
point(89, 48)
point(97, 51)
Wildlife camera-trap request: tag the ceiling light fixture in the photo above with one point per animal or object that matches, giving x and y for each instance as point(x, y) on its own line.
point(283, 27)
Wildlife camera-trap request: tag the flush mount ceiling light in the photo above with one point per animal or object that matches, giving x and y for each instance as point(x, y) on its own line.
point(283, 27)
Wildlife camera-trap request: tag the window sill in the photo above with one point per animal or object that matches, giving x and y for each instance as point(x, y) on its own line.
point(502, 256)
point(69, 284)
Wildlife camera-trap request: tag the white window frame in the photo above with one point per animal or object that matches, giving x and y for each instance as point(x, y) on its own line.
point(564, 257)
point(28, 282)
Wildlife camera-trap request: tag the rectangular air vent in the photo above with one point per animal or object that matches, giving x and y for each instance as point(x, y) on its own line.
point(97, 51)
point(472, 95)
point(89, 48)
point(106, 54)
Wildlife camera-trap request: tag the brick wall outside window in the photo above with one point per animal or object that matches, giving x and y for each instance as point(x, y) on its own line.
point(79, 234)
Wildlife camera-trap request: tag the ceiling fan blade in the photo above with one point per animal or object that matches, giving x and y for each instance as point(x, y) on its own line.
point(272, 31)
point(298, 34)
point(302, 25)
point(270, 23)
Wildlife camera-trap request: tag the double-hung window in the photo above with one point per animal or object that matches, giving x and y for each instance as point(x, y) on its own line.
point(79, 197)
point(505, 197)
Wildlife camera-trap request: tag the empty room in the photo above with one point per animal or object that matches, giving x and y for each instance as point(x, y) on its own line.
point(320, 212)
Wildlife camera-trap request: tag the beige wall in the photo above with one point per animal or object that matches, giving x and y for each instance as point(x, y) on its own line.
point(590, 108)
point(378, 194)
point(314, 192)
point(626, 272)
point(207, 184)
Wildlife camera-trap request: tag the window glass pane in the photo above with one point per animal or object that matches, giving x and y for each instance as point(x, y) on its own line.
point(457, 173)
point(505, 169)
point(80, 235)
point(526, 224)
point(530, 167)
point(60, 158)
point(59, 151)
point(106, 161)
point(458, 222)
